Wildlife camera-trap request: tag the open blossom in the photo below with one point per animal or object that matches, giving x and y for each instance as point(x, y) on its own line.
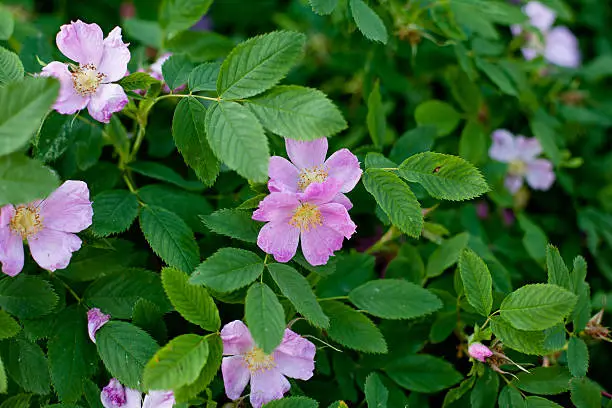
point(308, 165)
point(49, 227)
point(95, 320)
point(293, 358)
point(521, 155)
point(558, 44)
point(115, 395)
point(479, 352)
point(101, 61)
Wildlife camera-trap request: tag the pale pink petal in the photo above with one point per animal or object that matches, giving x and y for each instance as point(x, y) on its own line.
point(115, 395)
point(159, 399)
point(306, 154)
point(513, 183)
point(528, 147)
point(115, 57)
point(266, 386)
point(81, 42)
point(503, 148)
point(278, 207)
point(320, 193)
point(540, 16)
point(236, 376)
point(279, 239)
point(344, 200)
point(68, 100)
point(562, 48)
point(530, 53)
point(68, 208)
point(336, 216)
point(53, 249)
point(479, 351)
point(516, 29)
point(295, 345)
point(294, 357)
point(156, 67)
point(344, 166)
point(108, 99)
point(236, 338)
point(11, 245)
point(283, 175)
point(319, 243)
point(95, 320)
point(540, 174)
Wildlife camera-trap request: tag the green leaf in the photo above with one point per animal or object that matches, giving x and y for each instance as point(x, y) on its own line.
point(192, 302)
point(539, 402)
point(375, 392)
point(466, 92)
point(137, 80)
point(447, 254)
point(484, 393)
point(190, 138)
point(352, 329)
point(258, 63)
point(544, 380)
point(23, 180)
point(368, 22)
point(199, 45)
point(237, 139)
point(204, 77)
point(323, 7)
point(558, 273)
point(376, 120)
point(27, 296)
point(292, 402)
point(207, 374)
point(439, 114)
point(396, 199)
point(7, 24)
point(477, 282)
point(473, 143)
point(160, 172)
point(3, 379)
point(577, 357)
point(179, 15)
point(149, 317)
point(585, 393)
point(170, 238)
point(228, 269)
point(125, 350)
point(510, 397)
point(394, 299)
point(23, 106)
point(233, 223)
point(264, 317)
point(147, 32)
point(526, 342)
point(54, 137)
point(27, 365)
point(537, 307)
point(535, 239)
point(297, 289)
point(444, 176)
point(297, 112)
point(92, 394)
point(176, 364)
point(176, 70)
point(11, 68)
point(8, 326)
point(458, 392)
point(17, 401)
point(423, 373)
point(547, 136)
point(113, 212)
point(497, 76)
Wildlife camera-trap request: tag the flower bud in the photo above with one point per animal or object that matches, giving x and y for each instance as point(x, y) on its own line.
point(479, 352)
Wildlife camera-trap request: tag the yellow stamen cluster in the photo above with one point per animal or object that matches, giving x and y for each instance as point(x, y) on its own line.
point(317, 174)
point(517, 168)
point(257, 360)
point(86, 79)
point(306, 216)
point(26, 221)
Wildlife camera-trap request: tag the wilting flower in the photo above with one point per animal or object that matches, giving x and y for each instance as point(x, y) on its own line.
point(479, 352)
point(595, 329)
point(310, 216)
point(558, 45)
point(95, 320)
point(308, 165)
point(115, 395)
point(293, 358)
point(49, 227)
point(521, 155)
point(101, 61)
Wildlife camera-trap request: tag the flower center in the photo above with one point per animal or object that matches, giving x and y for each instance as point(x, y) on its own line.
point(306, 216)
point(316, 174)
point(517, 168)
point(86, 79)
point(26, 221)
point(257, 360)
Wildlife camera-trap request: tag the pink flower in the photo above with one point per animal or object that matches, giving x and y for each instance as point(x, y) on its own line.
point(558, 45)
point(308, 165)
point(521, 155)
point(159, 399)
point(479, 352)
point(49, 227)
point(310, 216)
point(115, 395)
point(95, 320)
point(293, 358)
point(101, 61)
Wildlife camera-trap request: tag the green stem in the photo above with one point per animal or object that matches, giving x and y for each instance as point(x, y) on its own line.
point(390, 235)
point(68, 288)
point(333, 298)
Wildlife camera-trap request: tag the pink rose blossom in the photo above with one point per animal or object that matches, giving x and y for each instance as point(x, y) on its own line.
point(159, 399)
point(521, 155)
point(308, 165)
point(479, 352)
point(101, 62)
point(155, 70)
point(95, 320)
point(115, 395)
point(321, 225)
point(293, 358)
point(49, 227)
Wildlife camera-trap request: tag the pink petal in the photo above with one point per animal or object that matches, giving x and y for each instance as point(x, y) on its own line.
point(283, 175)
point(295, 356)
point(306, 154)
point(279, 239)
point(68, 208)
point(108, 99)
point(278, 207)
point(540, 174)
point(530, 53)
point(503, 148)
point(344, 166)
point(516, 29)
point(266, 386)
point(53, 249)
point(540, 16)
point(156, 67)
point(68, 101)
point(11, 245)
point(342, 199)
point(95, 320)
point(528, 148)
point(318, 244)
point(295, 345)
point(236, 376)
point(562, 48)
point(81, 42)
point(336, 216)
point(115, 395)
point(513, 183)
point(159, 399)
point(321, 193)
point(115, 57)
point(479, 351)
point(236, 338)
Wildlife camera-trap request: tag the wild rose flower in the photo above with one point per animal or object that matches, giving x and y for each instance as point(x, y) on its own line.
point(521, 155)
point(101, 61)
point(95, 320)
point(49, 227)
point(558, 45)
point(479, 352)
point(321, 225)
point(159, 399)
point(308, 165)
point(115, 395)
point(293, 358)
